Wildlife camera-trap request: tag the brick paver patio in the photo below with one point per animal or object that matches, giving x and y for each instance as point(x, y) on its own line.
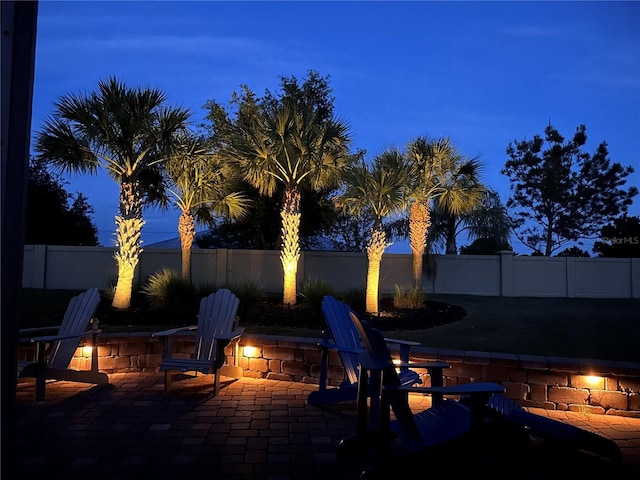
point(254, 429)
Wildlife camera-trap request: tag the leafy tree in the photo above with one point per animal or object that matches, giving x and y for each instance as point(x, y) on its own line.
point(559, 193)
point(488, 219)
point(202, 186)
point(314, 90)
point(50, 220)
point(485, 246)
point(350, 233)
point(379, 189)
point(442, 177)
point(620, 239)
point(128, 132)
point(290, 140)
point(573, 252)
point(256, 231)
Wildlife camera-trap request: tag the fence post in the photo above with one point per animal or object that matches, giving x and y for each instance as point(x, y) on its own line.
point(221, 267)
point(35, 271)
point(570, 273)
point(506, 273)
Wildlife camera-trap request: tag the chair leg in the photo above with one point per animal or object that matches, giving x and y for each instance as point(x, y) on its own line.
point(220, 359)
point(167, 380)
point(375, 381)
point(41, 369)
point(216, 381)
point(323, 369)
point(40, 386)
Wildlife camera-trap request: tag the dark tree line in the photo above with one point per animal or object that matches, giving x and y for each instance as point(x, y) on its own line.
point(54, 216)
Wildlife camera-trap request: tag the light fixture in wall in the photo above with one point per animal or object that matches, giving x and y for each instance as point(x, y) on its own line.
point(249, 351)
point(593, 379)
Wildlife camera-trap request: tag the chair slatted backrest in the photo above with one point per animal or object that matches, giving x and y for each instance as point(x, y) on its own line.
point(216, 318)
point(76, 320)
point(345, 335)
point(375, 344)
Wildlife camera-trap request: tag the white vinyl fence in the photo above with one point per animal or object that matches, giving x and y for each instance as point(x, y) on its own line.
point(505, 274)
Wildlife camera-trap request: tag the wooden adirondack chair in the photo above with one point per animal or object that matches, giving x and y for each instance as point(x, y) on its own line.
point(54, 352)
point(447, 420)
point(507, 413)
point(342, 336)
point(217, 327)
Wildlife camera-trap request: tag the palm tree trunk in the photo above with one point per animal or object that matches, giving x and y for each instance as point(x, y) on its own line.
point(129, 224)
point(419, 223)
point(187, 231)
point(290, 250)
point(375, 249)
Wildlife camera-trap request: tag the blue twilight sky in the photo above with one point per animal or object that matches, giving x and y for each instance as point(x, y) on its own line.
point(482, 73)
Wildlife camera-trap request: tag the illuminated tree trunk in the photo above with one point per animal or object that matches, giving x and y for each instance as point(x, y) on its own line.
point(290, 251)
point(187, 231)
point(375, 249)
point(128, 228)
point(419, 223)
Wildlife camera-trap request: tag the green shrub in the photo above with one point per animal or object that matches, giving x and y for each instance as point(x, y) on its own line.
point(408, 298)
point(202, 290)
point(250, 294)
point(109, 291)
point(171, 298)
point(314, 290)
point(355, 298)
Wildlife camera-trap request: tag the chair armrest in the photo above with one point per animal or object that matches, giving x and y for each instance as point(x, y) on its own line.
point(237, 333)
point(173, 331)
point(332, 346)
point(29, 331)
point(367, 361)
point(427, 365)
point(329, 345)
point(405, 347)
point(53, 338)
point(473, 388)
point(397, 341)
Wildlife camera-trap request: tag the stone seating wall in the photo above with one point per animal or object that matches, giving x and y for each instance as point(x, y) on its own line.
point(556, 383)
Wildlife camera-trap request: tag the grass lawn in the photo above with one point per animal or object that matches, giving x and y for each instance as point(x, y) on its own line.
point(606, 329)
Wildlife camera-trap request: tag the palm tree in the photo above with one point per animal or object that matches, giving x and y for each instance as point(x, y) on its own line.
point(287, 143)
point(438, 174)
point(488, 219)
point(127, 132)
point(380, 189)
point(201, 184)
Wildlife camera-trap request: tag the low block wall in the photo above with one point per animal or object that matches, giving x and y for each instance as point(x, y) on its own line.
point(556, 383)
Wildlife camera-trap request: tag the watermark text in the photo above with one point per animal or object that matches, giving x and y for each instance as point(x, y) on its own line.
point(622, 240)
